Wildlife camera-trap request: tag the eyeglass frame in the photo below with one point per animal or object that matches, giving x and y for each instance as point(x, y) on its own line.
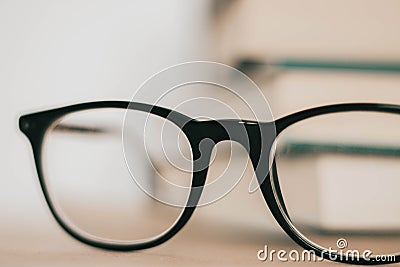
point(35, 125)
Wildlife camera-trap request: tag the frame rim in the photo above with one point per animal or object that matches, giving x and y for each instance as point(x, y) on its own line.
point(35, 126)
point(278, 208)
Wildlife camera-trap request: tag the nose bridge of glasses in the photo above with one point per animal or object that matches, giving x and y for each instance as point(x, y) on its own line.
point(256, 138)
point(224, 130)
point(253, 136)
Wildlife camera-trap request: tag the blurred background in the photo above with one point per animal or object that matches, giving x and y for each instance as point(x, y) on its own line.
point(300, 54)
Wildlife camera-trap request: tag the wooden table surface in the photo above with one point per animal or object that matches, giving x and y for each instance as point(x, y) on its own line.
point(200, 243)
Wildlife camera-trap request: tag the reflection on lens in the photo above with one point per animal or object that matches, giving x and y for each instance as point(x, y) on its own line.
point(339, 176)
point(90, 185)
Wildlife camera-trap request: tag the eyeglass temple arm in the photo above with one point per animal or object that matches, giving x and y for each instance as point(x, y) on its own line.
point(71, 128)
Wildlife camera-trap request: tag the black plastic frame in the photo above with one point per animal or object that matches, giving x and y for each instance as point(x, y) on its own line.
point(35, 126)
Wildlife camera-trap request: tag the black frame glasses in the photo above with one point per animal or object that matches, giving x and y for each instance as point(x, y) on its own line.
point(260, 136)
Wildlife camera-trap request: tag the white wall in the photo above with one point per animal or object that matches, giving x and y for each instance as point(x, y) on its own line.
point(63, 52)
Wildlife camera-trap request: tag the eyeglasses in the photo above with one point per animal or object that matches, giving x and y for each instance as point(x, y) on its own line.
point(327, 174)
